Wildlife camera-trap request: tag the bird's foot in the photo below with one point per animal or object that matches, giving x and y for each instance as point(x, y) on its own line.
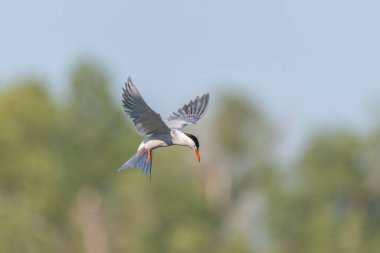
point(149, 156)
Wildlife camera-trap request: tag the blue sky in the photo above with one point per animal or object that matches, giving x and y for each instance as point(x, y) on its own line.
point(308, 63)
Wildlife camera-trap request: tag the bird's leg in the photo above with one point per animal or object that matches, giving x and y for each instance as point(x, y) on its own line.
point(149, 156)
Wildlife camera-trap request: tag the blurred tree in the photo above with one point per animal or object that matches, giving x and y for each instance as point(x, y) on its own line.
point(28, 170)
point(371, 161)
point(93, 140)
point(327, 211)
point(246, 139)
point(243, 130)
point(94, 133)
point(246, 150)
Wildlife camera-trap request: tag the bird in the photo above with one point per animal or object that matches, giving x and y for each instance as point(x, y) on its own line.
point(158, 133)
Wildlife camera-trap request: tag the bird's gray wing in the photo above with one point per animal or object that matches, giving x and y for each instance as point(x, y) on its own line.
point(189, 114)
point(146, 120)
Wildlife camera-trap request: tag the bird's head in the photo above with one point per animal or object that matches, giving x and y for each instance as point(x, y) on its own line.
point(194, 144)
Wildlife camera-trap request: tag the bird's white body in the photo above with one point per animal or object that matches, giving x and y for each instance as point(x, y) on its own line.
point(174, 137)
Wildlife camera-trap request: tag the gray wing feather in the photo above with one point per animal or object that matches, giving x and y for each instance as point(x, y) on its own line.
point(189, 114)
point(146, 120)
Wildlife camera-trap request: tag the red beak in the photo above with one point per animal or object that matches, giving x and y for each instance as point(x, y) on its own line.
point(197, 154)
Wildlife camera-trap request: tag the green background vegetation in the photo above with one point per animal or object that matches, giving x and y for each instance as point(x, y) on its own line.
point(58, 194)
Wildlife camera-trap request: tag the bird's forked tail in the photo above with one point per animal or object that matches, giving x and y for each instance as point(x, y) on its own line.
point(141, 160)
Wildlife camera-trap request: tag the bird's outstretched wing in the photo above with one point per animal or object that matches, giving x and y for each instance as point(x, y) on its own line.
point(146, 120)
point(189, 114)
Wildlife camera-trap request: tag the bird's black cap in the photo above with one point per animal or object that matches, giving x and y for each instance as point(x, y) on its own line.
point(195, 139)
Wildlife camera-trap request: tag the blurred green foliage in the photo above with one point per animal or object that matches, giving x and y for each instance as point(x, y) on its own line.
point(58, 194)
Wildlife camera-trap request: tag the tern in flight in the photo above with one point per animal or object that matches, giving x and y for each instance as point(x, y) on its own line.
point(158, 133)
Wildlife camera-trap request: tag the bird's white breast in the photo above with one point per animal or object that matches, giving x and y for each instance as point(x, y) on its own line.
point(156, 141)
point(175, 137)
